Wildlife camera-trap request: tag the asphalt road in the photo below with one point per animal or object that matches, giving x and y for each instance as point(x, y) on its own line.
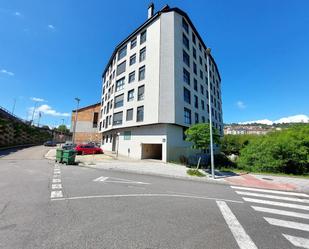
point(43, 205)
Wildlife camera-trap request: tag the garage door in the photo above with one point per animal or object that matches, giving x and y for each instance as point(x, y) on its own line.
point(152, 151)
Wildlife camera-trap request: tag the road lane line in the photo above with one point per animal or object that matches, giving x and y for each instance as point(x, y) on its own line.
point(297, 241)
point(56, 194)
point(271, 191)
point(242, 238)
point(56, 180)
point(280, 212)
point(275, 203)
point(276, 197)
point(146, 195)
point(287, 224)
point(56, 186)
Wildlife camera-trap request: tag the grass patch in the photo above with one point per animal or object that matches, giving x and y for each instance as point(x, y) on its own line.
point(195, 172)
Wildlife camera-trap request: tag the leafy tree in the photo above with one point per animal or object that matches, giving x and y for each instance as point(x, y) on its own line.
point(199, 135)
point(232, 144)
point(63, 128)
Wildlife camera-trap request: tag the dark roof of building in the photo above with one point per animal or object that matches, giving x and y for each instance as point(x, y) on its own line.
point(165, 9)
point(87, 107)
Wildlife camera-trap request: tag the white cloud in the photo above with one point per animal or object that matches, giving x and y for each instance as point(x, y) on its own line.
point(37, 99)
point(50, 26)
point(301, 118)
point(240, 104)
point(4, 71)
point(17, 13)
point(46, 110)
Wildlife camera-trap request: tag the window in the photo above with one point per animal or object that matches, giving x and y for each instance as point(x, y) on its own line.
point(186, 58)
point(195, 84)
point(119, 84)
point(129, 114)
point(133, 43)
point(196, 118)
point(185, 25)
point(201, 61)
point(203, 104)
point(140, 92)
point(186, 95)
point(194, 52)
point(141, 73)
point(201, 74)
point(194, 68)
point(95, 120)
point(195, 101)
point(132, 77)
point(202, 89)
point(140, 114)
point(132, 59)
point(118, 101)
point(122, 52)
point(142, 54)
point(187, 116)
point(185, 41)
point(193, 38)
point(186, 76)
point(121, 68)
point(130, 95)
point(117, 119)
point(199, 46)
point(127, 135)
point(143, 37)
point(203, 119)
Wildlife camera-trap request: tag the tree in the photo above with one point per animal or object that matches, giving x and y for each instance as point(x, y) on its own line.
point(63, 129)
point(232, 144)
point(199, 135)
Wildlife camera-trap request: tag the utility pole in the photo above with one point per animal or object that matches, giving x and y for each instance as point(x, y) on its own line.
point(208, 50)
point(74, 127)
point(14, 103)
point(40, 115)
point(35, 105)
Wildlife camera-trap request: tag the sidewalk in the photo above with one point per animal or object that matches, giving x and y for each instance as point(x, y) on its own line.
point(108, 161)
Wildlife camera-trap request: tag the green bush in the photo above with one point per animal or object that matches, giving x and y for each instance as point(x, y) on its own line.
point(195, 172)
point(285, 151)
point(232, 144)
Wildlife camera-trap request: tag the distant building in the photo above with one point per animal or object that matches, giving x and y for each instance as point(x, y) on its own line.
point(155, 86)
point(246, 129)
point(87, 124)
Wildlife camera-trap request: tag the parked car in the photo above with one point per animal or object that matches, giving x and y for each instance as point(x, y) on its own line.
point(68, 146)
point(50, 143)
point(88, 149)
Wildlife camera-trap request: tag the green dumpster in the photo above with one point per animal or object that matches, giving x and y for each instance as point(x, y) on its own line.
point(68, 157)
point(59, 153)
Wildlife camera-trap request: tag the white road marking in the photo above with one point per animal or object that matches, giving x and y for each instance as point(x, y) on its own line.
point(287, 224)
point(280, 212)
point(56, 186)
point(147, 195)
point(56, 180)
point(56, 170)
point(297, 241)
point(117, 180)
point(276, 197)
point(100, 179)
point(271, 191)
point(56, 194)
point(275, 203)
point(242, 238)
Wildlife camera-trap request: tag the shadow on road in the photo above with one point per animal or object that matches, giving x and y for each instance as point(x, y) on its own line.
point(7, 152)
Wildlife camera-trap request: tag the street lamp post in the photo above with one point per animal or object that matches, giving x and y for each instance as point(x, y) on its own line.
point(34, 108)
point(74, 127)
point(208, 50)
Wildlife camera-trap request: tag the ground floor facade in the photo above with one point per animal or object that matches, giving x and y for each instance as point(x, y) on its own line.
point(164, 142)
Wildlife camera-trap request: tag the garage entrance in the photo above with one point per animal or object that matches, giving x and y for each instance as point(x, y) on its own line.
point(152, 151)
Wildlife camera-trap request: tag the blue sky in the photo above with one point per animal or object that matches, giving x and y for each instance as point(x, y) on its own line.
point(56, 50)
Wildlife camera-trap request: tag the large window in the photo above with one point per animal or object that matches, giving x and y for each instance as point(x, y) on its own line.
point(117, 119)
point(140, 114)
point(187, 116)
point(141, 92)
point(129, 114)
point(186, 76)
point(185, 41)
point(186, 95)
point(141, 73)
point(132, 77)
point(131, 95)
point(121, 68)
point(95, 120)
point(186, 58)
point(133, 42)
point(127, 135)
point(203, 104)
point(119, 84)
point(194, 52)
point(142, 54)
point(193, 38)
point(194, 68)
point(132, 59)
point(195, 101)
point(196, 118)
point(143, 37)
point(122, 52)
point(119, 101)
point(185, 25)
point(195, 84)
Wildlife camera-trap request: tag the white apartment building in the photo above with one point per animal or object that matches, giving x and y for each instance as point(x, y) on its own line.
point(155, 87)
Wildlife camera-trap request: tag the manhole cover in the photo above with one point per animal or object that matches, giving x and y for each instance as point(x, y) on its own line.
point(268, 179)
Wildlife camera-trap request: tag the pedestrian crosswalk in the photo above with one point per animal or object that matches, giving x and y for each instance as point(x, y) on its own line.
point(285, 205)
